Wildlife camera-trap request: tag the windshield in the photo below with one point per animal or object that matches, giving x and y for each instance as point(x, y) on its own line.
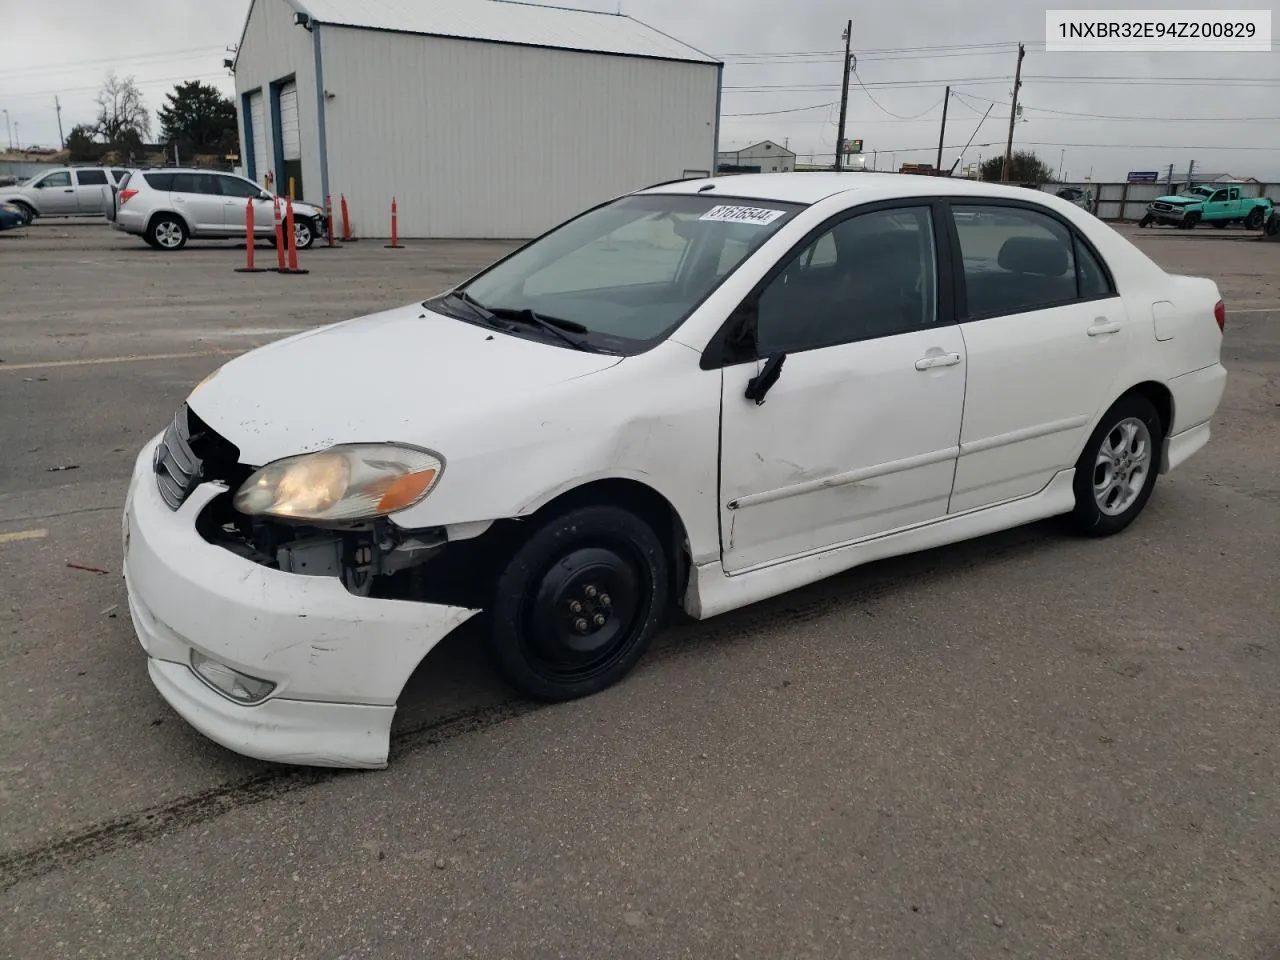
point(1196, 192)
point(626, 274)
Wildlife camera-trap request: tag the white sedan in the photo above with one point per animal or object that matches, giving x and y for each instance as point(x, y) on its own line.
point(699, 395)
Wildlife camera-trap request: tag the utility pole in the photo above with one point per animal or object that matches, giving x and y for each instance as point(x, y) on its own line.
point(943, 132)
point(62, 142)
point(844, 94)
point(1013, 115)
point(1191, 173)
point(8, 129)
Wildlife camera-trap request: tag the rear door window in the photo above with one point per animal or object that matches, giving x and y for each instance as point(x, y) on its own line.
point(91, 178)
point(159, 181)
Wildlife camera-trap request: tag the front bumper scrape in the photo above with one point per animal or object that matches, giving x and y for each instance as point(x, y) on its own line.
point(339, 661)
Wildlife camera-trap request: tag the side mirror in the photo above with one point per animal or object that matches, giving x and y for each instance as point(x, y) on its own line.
point(264, 195)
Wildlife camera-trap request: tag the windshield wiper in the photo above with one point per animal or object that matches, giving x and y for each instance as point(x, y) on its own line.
point(564, 329)
point(471, 303)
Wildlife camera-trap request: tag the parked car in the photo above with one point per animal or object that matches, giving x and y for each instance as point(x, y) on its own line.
point(1082, 197)
point(1208, 203)
point(1272, 227)
point(701, 394)
point(12, 217)
point(65, 192)
point(168, 207)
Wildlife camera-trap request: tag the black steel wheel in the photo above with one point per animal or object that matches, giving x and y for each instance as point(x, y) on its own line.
point(1146, 220)
point(579, 603)
point(1254, 220)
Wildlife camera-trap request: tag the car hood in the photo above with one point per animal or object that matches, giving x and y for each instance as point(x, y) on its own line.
point(408, 375)
point(1179, 201)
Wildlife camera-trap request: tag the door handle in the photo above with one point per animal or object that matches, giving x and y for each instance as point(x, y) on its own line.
point(68, 189)
point(943, 360)
point(1102, 326)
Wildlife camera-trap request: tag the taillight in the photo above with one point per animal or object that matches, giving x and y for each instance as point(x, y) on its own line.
point(125, 195)
point(1220, 314)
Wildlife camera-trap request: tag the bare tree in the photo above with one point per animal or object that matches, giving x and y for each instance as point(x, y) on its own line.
point(122, 116)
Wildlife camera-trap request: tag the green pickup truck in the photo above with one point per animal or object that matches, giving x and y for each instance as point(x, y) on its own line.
point(1208, 203)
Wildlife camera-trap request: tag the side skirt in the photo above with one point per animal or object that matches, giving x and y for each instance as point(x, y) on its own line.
point(712, 592)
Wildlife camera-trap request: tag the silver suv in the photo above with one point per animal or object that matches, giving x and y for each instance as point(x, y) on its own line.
point(65, 192)
point(170, 206)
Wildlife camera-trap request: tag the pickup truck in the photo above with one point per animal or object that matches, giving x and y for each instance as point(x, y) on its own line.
point(1208, 203)
point(65, 192)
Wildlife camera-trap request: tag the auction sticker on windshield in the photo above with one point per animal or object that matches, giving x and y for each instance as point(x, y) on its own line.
point(732, 214)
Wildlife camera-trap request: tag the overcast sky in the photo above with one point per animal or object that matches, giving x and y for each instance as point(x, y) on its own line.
point(1080, 109)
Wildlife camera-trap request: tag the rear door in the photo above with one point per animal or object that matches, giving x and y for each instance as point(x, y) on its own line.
point(92, 187)
point(1046, 336)
point(197, 197)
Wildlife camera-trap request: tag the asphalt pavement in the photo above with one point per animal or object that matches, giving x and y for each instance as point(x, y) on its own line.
point(1028, 745)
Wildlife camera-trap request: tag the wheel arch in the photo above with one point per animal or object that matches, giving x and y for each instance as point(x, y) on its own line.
point(1160, 397)
point(639, 498)
point(151, 220)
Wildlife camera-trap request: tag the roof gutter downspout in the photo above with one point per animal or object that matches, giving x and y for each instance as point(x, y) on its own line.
point(320, 102)
point(715, 146)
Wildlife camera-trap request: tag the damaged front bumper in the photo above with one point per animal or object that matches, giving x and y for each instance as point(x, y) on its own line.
point(337, 661)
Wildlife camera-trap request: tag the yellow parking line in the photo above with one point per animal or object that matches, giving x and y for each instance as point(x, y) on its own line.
point(40, 365)
point(23, 535)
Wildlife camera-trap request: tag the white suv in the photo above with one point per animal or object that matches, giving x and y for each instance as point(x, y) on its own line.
point(170, 206)
point(65, 192)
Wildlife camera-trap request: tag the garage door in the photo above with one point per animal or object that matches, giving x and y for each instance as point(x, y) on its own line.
point(289, 139)
point(258, 125)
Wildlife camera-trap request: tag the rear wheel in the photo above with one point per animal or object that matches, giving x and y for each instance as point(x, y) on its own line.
point(167, 232)
point(1254, 220)
point(579, 603)
point(1116, 473)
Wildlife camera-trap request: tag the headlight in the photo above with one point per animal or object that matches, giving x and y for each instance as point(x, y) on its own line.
point(355, 481)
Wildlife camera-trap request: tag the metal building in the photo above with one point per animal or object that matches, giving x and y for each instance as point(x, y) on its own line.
point(763, 157)
point(483, 118)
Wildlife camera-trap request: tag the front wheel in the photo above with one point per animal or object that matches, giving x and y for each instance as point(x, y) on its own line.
point(1145, 221)
point(304, 233)
point(1116, 473)
point(579, 603)
point(1254, 220)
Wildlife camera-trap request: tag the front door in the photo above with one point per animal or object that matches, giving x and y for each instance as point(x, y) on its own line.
point(1046, 335)
point(859, 433)
point(57, 196)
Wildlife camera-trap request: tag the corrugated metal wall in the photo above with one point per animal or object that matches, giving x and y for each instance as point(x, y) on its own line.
point(273, 49)
point(490, 140)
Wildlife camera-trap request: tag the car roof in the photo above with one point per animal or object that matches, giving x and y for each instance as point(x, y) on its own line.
point(809, 188)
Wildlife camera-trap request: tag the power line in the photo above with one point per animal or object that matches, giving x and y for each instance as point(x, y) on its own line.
point(96, 87)
point(884, 109)
point(770, 113)
point(142, 59)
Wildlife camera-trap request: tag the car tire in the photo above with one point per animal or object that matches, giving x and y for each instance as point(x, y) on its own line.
point(304, 232)
point(1124, 448)
point(579, 603)
point(1254, 220)
point(167, 232)
point(1145, 221)
point(1191, 221)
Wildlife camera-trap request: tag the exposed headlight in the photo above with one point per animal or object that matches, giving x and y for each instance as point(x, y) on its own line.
point(356, 481)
